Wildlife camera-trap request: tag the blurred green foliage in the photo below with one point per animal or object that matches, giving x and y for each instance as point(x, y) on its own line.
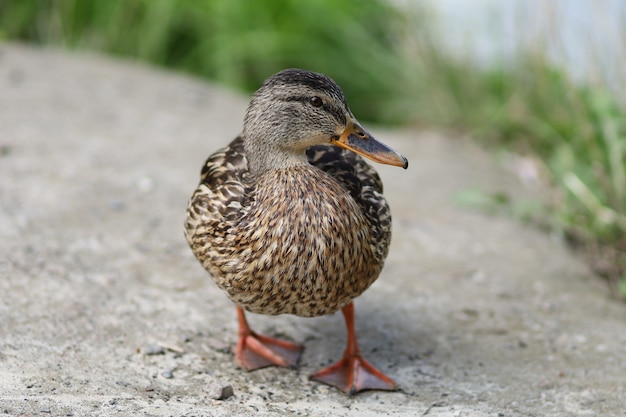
point(236, 42)
point(577, 132)
point(392, 71)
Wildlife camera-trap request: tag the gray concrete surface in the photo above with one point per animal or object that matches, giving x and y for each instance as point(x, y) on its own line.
point(473, 315)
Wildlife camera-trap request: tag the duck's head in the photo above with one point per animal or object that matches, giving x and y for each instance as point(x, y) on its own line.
point(295, 109)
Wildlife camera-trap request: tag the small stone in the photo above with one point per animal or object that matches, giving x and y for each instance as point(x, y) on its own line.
point(168, 374)
point(151, 349)
point(227, 391)
point(216, 390)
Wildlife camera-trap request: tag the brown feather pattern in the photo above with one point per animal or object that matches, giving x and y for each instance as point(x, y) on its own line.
point(302, 240)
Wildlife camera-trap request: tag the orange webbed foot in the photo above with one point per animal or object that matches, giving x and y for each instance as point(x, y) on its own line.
point(353, 374)
point(256, 351)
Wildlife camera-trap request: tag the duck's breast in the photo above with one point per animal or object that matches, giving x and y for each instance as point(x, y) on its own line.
point(302, 247)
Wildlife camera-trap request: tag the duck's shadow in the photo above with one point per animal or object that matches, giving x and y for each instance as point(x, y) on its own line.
point(391, 332)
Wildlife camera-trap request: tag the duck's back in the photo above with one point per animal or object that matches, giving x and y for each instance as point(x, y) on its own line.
point(304, 240)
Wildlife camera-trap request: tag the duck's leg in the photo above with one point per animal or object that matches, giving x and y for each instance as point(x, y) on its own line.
point(256, 351)
point(353, 373)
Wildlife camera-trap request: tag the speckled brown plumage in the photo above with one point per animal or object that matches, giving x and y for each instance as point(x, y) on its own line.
point(285, 223)
point(303, 240)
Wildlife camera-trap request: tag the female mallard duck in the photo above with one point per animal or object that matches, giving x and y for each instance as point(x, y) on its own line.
point(287, 225)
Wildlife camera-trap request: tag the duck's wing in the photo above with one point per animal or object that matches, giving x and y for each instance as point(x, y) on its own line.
point(363, 183)
point(220, 197)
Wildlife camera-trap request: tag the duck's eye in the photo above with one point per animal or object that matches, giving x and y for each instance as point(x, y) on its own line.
point(316, 101)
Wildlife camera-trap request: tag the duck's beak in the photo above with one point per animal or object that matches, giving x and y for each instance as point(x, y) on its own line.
point(358, 140)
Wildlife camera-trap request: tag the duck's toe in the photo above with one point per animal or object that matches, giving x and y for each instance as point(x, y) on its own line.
point(353, 374)
point(256, 351)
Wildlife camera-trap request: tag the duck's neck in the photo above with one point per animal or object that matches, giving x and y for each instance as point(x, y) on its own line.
point(263, 157)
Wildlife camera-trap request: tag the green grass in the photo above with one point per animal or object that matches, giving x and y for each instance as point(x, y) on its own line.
point(578, 133)
point(393, 72)
point(234, 42)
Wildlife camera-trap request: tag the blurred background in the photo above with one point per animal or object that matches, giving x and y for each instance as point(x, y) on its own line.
point(543, 80)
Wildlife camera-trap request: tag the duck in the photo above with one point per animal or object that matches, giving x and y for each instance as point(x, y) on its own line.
point(290, 219)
